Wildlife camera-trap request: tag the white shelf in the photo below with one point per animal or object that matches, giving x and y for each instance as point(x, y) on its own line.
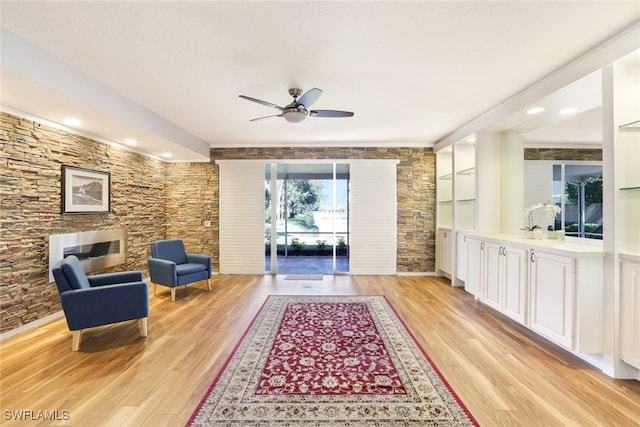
point(631, 126)
point(468, 171)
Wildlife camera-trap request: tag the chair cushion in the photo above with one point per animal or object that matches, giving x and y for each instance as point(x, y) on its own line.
point(73, 271)
point(171, 250)
point(189, 268)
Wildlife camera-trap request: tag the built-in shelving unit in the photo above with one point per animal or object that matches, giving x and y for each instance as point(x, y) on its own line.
point(444, 189)
point(625, 146)
point(464, 167)
point(456, 204)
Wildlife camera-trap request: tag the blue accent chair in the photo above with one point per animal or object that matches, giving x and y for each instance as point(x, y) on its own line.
point(170, 265)
point(101, 299)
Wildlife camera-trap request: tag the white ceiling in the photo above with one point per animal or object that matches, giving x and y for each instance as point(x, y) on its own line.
point(168, 73)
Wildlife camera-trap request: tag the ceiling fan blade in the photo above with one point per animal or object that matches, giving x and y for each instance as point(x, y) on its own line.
point(265, 117)
point(310, 97)
point(268, 104)
point(330, 113)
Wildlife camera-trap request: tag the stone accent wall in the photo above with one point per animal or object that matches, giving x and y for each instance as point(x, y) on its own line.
point(585, 154)
point(192, 199)
point(31, 159)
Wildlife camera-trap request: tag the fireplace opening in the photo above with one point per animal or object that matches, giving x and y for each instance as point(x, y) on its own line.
point(95, 249)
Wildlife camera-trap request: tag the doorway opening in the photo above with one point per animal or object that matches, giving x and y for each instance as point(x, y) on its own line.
point(307, 218)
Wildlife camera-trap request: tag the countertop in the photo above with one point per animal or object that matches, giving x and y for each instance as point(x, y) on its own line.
point(570, 246)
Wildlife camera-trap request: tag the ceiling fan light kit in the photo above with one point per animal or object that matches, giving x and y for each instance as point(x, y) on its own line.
point(295, 113)
point(298, 110)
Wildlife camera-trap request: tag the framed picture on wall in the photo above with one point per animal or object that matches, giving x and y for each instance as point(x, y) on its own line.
point(85, 191)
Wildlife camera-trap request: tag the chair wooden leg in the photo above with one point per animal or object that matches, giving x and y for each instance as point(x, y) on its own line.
point(142, 324)
point(173, 294)
point(76, 336)
point(155, 288)
point(209, 284)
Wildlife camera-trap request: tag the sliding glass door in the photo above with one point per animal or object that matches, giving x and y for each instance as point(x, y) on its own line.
point(307, 218)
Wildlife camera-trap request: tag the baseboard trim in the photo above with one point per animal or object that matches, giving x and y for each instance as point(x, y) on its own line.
point(32, 325)
point(416, 273)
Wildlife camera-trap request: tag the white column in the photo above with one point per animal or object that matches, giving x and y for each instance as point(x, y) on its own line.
point(512, 168)
point(488, 181)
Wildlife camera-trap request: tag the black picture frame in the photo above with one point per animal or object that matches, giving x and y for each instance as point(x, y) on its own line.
point(85, 190)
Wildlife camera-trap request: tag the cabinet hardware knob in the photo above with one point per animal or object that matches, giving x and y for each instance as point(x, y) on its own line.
point(533, 256)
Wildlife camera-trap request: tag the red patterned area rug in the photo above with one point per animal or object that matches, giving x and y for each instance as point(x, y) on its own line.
point(329, 361)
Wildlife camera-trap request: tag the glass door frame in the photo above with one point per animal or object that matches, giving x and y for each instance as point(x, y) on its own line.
point(273, 203)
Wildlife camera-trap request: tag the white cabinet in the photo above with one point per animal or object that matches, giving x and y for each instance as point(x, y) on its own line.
point(492, 281)
point(505, 280)
point(551, 288)
point(444, 246)
point(475, 266)
point(630, 313)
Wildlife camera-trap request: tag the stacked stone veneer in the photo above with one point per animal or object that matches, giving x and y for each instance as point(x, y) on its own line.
point(583, 154)
point(152, 200)
point(31, 159)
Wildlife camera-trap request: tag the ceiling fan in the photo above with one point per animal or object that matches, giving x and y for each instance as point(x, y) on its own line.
point(298, 110)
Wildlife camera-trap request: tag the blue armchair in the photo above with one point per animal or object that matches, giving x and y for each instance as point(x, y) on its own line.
point(101, 299)
point(170, 265)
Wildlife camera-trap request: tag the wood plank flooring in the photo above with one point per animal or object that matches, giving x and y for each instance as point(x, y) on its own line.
point(504, 374)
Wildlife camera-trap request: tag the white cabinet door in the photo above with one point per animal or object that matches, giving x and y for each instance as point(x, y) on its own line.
point(461, 256)
point(551, 287)
point(492, 283)
point(630, 313)
point(445, 247)
point(505, 280)
point(475, 261)
point(514, 300)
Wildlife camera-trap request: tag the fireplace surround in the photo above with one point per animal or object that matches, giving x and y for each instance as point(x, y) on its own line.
point(95, 249)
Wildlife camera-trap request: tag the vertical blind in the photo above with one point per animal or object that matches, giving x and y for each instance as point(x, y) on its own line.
point(373, 243)
point(373, 217)
point(241, 216)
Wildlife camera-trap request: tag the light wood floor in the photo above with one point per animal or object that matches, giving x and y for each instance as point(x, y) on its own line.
point(504, 374)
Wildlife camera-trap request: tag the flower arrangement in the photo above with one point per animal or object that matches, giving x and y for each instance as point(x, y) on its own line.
point(550, 209)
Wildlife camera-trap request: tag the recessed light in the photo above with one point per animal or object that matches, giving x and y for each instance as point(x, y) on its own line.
point(72, 121)
point(166, 155)
point(568, 110)
point(471, 139)
point(535, 110)
point(131, 142)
